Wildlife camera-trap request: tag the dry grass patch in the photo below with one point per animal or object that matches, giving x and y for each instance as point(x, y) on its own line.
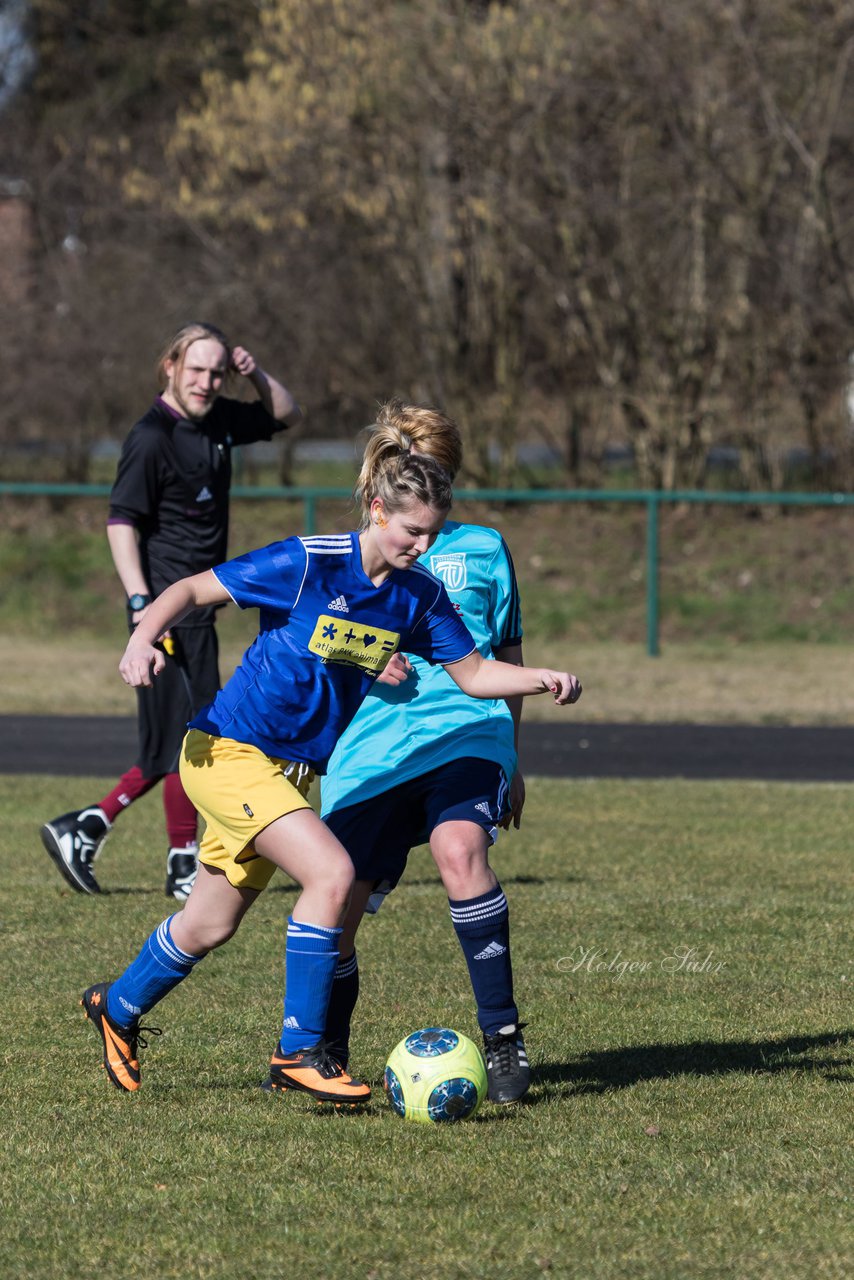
point(737, 684)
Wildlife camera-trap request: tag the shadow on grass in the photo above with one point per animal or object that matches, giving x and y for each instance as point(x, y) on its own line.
point(125, 891)
point(600, 1072)
point(281, 886)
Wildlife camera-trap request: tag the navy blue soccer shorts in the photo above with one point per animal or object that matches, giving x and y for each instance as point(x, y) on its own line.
point(379, 832)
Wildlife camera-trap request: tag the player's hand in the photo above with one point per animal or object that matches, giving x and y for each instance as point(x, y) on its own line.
point(140, 664)
point(242, 362)
point(396, 670)
point(517, 802)
point(565, 687)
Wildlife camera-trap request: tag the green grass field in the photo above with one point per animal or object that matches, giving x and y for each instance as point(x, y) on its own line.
point(683, 959)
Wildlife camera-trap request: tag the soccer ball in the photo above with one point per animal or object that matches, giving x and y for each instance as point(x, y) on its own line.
point(435, 1075)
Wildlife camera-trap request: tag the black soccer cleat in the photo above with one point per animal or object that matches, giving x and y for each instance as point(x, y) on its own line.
point(74, 842)
point(316, 1072)
point(121, 1044)
point(339, 1050)
point(507, 1071)
point(181, 868)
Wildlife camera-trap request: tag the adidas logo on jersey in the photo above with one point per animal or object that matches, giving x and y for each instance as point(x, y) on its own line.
point(204, 495)
point(492, 952)
point(339, 604)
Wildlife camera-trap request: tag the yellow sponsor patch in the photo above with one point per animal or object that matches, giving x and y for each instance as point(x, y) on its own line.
point(337, 640)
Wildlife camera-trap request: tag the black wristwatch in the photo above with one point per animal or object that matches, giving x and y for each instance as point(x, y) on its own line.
point(137, 601)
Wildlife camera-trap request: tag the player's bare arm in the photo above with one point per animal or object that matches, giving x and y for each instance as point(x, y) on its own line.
point(141, 661)
point(480, 678)
point(512, 653)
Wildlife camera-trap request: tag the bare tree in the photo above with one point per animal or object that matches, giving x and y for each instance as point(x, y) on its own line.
point(558, 219)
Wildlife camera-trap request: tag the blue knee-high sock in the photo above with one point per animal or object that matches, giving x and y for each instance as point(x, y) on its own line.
point(311, 957)
point(482, 926)
point(159, 967)
point(342, 1002)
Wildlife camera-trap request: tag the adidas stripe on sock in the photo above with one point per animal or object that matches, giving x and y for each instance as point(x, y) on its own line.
point(311, 958)
point(482, 926)
point(159, 967)
point(342, 1002)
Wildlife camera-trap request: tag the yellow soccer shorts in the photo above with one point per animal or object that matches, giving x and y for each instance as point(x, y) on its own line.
point(239, 791)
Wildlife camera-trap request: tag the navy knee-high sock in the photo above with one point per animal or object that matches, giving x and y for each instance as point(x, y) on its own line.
point(342, 1002)
point(482, 925)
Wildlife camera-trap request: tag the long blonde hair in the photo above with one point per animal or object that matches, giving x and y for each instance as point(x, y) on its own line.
point(400, 428)
point(398, 477)
point(176, 348)
point(392, 472)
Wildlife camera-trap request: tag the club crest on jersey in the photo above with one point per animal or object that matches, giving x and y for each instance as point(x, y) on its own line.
point(334, 639)
point(451, 568)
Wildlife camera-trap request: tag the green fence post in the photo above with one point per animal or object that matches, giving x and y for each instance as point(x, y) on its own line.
point(652, 575)
point(310, 520)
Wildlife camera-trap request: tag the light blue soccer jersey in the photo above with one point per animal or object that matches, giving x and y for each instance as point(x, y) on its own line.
point(325, 634)
point(403, 731)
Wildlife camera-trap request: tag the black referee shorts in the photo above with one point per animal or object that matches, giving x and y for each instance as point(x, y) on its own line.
point(188, 682)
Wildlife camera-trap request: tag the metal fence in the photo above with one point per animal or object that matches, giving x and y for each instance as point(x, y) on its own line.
point(653, 500)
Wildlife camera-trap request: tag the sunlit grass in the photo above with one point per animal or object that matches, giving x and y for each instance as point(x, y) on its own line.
point(682, 956)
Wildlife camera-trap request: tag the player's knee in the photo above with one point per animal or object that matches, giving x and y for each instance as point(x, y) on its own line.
point(212, 934)
point(458, 858)
point(223, 934)
point(335, 883)
point(464, 867)
point(344, 886)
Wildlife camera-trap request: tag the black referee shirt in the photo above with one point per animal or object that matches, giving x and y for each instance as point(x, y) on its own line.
point(173, 484)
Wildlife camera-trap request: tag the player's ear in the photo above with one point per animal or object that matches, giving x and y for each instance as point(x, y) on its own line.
point(377, 513)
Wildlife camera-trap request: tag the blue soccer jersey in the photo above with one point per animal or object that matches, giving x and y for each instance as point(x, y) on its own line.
point(403, 731)
point(326, 632)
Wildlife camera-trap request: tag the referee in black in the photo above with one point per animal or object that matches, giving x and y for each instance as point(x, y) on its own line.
point(168, 519)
